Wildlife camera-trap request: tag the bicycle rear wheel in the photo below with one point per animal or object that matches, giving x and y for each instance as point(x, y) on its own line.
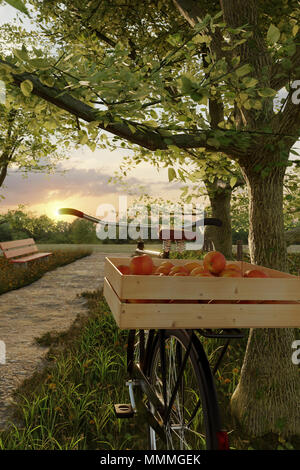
point(180, 374)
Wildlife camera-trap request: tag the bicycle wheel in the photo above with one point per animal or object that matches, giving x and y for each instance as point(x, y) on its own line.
point(179, 372)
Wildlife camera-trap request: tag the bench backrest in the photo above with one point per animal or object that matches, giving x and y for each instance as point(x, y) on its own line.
point(18, 248)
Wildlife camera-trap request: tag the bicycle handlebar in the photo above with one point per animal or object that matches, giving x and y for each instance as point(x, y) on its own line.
point(68, 211)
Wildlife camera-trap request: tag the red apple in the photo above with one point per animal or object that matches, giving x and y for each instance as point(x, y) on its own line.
point(230, 273)
point(255, 273)
point(232, 267)
point(200, 271)
point(162, 270)
point(141, 264)
point(124, 269)
point(178, 269)
point(190, 266)
point(214, 262)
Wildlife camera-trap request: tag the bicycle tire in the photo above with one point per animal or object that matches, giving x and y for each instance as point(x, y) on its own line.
point(202, 431)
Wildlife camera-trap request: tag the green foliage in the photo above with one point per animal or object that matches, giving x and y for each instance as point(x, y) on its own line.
point(34, 135)
point(18, 4)
point(159, 72)
point(82, 231)
point(14, 277)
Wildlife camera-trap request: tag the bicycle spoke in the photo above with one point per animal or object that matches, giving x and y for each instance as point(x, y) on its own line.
point(174, 378)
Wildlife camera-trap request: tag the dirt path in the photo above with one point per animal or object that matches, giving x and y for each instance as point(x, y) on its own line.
point(49, 304)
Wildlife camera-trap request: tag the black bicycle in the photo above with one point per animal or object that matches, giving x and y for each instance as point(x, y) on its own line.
point(170, 380)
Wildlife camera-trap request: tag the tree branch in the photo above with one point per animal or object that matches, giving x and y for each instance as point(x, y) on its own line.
point(230, 143)
point(287, 121)
point(193, 13)
point(278, 80)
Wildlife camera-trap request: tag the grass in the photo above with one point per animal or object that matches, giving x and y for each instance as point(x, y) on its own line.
point(69, 404)
point(113, 248)
point(14, 277)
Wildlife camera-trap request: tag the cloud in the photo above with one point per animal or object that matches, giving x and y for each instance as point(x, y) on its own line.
point(39, 188)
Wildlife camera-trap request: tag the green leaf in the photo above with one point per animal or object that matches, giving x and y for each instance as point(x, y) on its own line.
point(21, 54)
point(47, 80)
point(273, 34)
point(213, 142)
point(257, 105)
point(40, 107)
point(92, 146)
point(171, 174)
point(233, 180)
point(83, 138)
point(26, 87)
point(266, 92)
point(50, 125)
point(249, 82)
point(290, 49)
point(132, 128)
point(295, 30)
point(244, 70)
point(40, 64)
point(19, 5)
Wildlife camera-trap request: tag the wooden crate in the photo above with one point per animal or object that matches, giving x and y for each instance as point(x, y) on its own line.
point(182, 313)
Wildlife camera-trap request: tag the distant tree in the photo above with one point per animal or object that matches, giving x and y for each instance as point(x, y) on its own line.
point(82, 231)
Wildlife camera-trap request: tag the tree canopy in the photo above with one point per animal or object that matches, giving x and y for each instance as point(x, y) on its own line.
point(139, 71)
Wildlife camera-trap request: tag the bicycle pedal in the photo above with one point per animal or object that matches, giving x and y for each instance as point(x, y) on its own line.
point(123, 410)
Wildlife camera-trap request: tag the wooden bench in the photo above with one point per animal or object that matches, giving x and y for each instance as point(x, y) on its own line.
point(14, 251)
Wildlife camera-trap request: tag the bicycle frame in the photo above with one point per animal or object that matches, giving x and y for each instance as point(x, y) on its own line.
point(139, 371)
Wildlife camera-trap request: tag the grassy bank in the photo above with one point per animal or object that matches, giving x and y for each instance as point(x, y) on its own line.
point(69, 404)
point(13, 276)
point(113, 248)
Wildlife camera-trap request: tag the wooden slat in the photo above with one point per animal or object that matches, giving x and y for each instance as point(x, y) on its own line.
point(114, 275)
point(16, 243)
point(273, 273)
point(30, 258)
point(160, 316)
point(146, 316)
point(201, 288)
point(20, 251)
point(112, 300)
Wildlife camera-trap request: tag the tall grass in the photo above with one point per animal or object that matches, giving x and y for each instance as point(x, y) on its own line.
point(14, 276)
point(70, 404)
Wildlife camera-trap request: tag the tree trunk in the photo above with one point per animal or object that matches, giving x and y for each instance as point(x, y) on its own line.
point(267, 398)
point(220, 197)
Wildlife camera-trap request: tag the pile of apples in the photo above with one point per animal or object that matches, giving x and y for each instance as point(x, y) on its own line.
point(214, 264)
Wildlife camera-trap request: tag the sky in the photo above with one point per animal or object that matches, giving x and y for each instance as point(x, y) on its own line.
point(81, 181)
